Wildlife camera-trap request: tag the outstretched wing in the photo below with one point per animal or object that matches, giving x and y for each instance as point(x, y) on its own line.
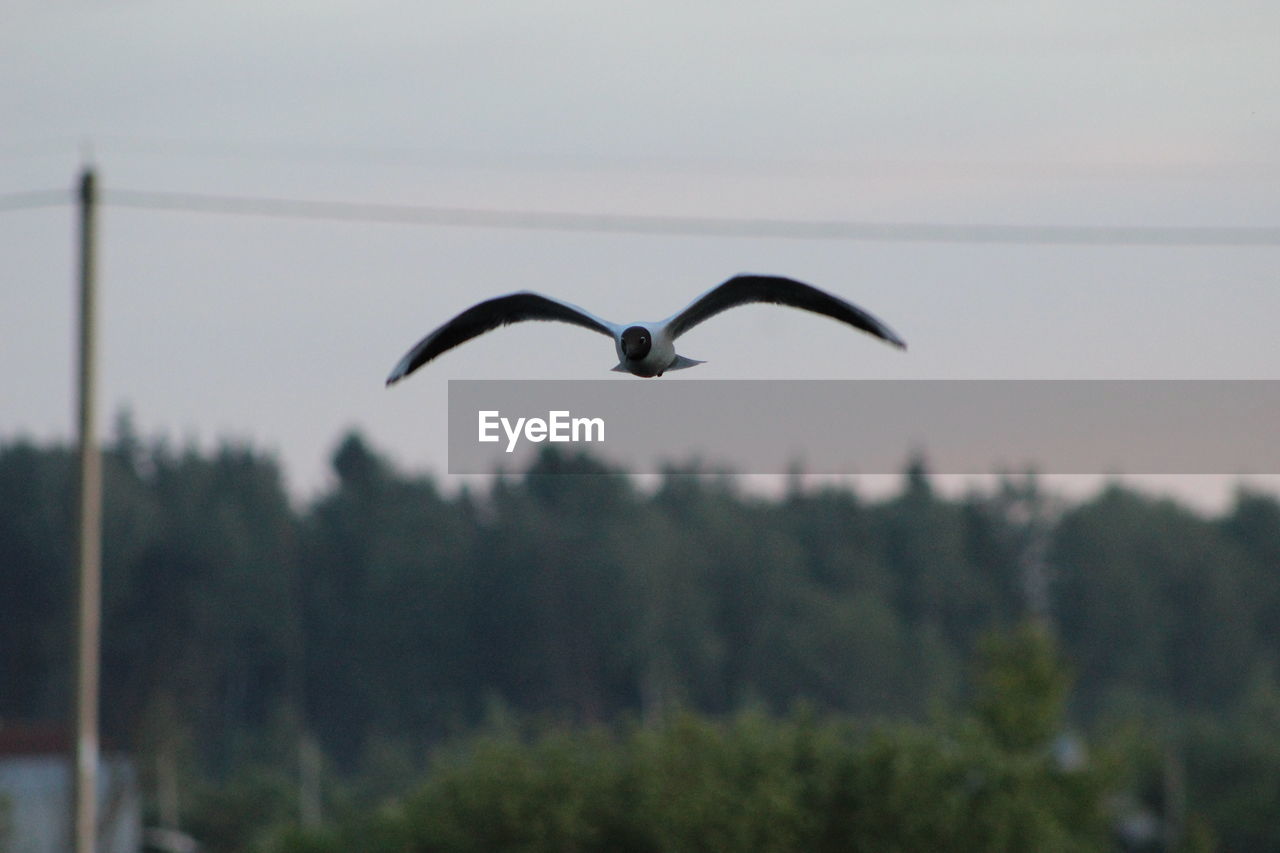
point(776, 290)
point(489, 315)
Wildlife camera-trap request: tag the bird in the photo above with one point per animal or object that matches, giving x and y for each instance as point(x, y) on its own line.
point(644, 349)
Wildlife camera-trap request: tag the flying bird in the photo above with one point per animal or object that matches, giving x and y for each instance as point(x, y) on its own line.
point(645, 349)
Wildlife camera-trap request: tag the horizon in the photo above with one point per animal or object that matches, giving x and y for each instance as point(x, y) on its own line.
point(1206, 495)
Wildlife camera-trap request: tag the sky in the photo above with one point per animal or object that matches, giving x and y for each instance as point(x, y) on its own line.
point(280, 331)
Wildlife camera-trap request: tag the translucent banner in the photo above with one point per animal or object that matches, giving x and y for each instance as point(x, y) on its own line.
point(872, 427)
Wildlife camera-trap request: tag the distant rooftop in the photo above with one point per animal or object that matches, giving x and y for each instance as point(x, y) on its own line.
point(23, 737)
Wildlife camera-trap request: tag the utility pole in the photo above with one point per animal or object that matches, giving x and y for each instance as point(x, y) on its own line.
point(89, 546)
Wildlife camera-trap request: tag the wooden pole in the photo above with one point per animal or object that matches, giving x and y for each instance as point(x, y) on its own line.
point(89, 545)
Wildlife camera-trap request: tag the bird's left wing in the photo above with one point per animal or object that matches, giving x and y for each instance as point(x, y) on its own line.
point(489, 315)
point(776, 290)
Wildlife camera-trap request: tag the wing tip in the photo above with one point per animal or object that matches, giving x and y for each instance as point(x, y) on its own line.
point(888, 335)
point(400, 371)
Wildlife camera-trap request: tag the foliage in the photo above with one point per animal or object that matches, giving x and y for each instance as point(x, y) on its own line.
point(1021, 687)
point(754, 782)
point(1233, 769)
point(387, 616)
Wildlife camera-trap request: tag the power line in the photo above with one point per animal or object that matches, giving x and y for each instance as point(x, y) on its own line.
point(664, 225)
point(694, 226)
point(33, 199)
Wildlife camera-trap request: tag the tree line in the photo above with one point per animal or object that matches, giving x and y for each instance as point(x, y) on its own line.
point(387, 616)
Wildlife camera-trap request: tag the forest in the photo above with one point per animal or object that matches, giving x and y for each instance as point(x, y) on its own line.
point(561, 660)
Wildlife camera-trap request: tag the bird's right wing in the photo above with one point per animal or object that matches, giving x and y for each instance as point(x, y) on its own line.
point(489, 315)
point(776, 290)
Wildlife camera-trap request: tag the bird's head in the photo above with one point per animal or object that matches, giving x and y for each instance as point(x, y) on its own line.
point(636, 342)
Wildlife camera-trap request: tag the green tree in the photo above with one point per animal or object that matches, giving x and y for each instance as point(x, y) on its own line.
point(36, 542)
point(1152, 599)
point(1020, 688)
point(388, 605)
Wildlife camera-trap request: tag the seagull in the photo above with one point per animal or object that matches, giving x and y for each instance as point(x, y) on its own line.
point(644, 349)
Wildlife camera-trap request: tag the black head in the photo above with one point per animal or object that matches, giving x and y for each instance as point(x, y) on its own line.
point(636, 343)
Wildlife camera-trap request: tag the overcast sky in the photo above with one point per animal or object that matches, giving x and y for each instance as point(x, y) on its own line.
point(282, 331)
